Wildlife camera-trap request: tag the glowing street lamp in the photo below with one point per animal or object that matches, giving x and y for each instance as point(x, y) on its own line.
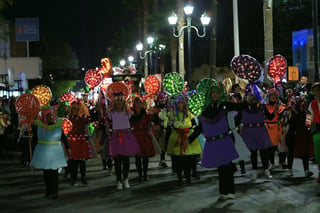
point(122, 62)
point(205, 20)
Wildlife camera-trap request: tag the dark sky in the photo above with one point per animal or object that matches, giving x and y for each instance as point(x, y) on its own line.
point(89, 24)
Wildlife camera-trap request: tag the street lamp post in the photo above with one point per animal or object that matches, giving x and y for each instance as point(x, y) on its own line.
point(205, 20)
point(149, 52)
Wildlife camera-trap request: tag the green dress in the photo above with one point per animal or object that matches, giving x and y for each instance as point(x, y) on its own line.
point(182, 129)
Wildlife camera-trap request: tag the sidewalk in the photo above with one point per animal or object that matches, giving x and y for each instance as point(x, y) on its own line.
point(21, 190)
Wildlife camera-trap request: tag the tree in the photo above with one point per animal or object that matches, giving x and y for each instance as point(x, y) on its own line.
point(55, 55)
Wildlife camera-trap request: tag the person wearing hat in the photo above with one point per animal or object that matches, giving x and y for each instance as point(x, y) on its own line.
point(123, 144)
point(253, 130)
point(219, 150)
point(49, 154)
point(141, 128)
point(78, 141)
point(183, 158)
point(314, 123)
point(299, 138)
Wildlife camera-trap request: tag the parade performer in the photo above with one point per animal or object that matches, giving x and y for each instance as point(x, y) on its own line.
point(274, 126)
point(219, 150)
point(100, 133)
point(49, 154)
point(183, 126)
point(77, 138)
point(123, 144)
point(141, 128)
point(253, 130)
point(298, 138)
point(315, 123)
point(164, 127)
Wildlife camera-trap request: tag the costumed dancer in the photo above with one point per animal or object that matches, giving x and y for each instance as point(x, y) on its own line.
point(165, 130)
point(77, 138)
point(274, 126)
point(299, 139)
point(141, 128)
point(63, 112)
point(123, 144)
point(314, 123)
point(49, 154)
point(236, 97)
point(183, 126)
point(100, 133)
point(253, 130)
point(219, 150)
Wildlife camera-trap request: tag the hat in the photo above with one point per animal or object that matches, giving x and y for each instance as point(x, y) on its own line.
point(117, 89)
point(317, 84)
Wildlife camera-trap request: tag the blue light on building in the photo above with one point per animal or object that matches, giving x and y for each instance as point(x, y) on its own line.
point(300, 49)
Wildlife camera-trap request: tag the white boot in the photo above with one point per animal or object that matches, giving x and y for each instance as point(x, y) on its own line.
point(307, 173)
point(126, 183)
point(254, 175)
point(267, 174)
point(290, 173)
point(119, 185)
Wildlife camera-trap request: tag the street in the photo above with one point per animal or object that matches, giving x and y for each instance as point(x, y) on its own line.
point(22, 190)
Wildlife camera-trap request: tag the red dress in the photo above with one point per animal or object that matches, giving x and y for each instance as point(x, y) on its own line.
point(141, 130)
point(77, 138)
point(303, 143)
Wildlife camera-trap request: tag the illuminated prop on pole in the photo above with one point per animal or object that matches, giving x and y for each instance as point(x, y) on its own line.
point(66, 126)
point(277, 67)
point(93, 78)
point(28, 106)
point(195, 103)
point(43, 93)
point(246, 67)
point(68, 96)
point(152, 84)
point(173, 83)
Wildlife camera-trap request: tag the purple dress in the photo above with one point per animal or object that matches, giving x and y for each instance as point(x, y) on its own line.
point(122, 141)
point(253, 131)
point(219, 148)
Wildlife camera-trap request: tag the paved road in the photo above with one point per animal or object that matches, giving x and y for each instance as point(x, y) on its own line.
point(21, 190)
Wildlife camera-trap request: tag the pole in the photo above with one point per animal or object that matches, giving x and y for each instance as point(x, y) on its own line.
point(236, 32)
point(315, 39)
point(189, 51)
point(150, 64)
point(236, 28)
point(27, 49)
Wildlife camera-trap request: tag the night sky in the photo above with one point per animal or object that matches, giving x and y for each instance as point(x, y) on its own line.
point(89, 25)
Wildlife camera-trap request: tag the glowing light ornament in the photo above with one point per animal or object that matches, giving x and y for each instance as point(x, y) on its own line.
point(93, 78)
point(43, 93)
point(276, 67)
point(205, 84)
point(173, 83)
point(117, 88)
point(152, 84)
point(195, 103)
point(66, 126)
point(106, 68)
point(68, 96)
point(246, 67)
point(27, 105)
